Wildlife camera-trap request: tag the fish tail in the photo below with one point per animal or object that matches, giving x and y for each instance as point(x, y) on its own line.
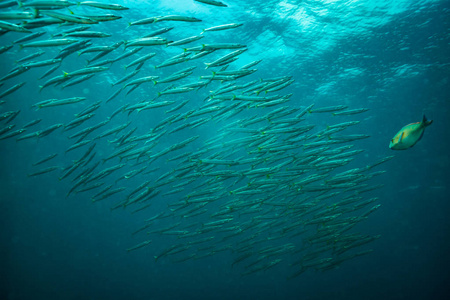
point(34, 11)
point(426, 122)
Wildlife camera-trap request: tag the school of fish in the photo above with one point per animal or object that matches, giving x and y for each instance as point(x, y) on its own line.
point(205, 152)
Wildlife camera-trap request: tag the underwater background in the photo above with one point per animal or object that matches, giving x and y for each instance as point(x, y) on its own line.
point(392, 57)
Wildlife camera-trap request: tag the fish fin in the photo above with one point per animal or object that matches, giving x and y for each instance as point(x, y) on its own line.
point(426, 122)
point(421, 135)
point(401, 137)
point(35, 12)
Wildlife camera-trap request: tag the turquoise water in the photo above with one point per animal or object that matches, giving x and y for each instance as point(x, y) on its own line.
point(390, 57)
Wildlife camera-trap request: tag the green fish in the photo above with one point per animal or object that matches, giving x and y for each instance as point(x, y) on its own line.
point(409, 135)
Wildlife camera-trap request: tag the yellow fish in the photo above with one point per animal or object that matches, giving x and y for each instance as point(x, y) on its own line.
point(409, 135)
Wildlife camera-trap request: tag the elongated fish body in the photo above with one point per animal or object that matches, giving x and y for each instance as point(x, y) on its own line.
point(103, 5)
point(409, 135)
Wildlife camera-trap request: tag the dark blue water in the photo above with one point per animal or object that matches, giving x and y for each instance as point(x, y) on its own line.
point(391, 57)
